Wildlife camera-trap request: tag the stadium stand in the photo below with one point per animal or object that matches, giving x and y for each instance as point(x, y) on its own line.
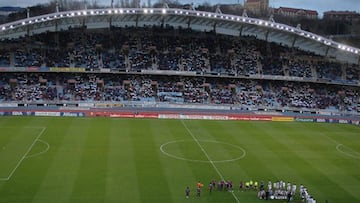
point(223, 70)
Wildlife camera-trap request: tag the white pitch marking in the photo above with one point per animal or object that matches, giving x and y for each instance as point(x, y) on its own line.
point(207, 156)
point(23, 157)
point(42, 152)
point(338, 148)
point(202, 161)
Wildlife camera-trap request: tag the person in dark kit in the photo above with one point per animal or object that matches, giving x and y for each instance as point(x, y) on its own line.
point(210, 187)
point(267, 195)
point(187, 192)
point(198, 191)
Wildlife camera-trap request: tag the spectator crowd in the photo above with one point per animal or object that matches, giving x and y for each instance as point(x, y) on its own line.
point(223, 67)
point(247, 93)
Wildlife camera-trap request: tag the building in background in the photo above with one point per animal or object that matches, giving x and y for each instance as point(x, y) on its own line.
point(296, 13)
point(349, 16)
point(257, 6)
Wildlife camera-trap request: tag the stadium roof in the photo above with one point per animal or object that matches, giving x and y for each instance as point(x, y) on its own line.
point(196, 20)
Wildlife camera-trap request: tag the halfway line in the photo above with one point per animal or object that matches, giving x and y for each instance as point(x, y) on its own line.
point(207, 156)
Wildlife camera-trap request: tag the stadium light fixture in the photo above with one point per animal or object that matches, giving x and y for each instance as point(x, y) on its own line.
point(356, 51)
point(163, 11)
point(84, 13)
point(121, 11)
point(146, 11)
point(109, 11)
point(3, 28)
point(23, 23)
point(11, 26)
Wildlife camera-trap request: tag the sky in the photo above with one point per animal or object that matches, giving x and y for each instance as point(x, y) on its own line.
point(319, 5)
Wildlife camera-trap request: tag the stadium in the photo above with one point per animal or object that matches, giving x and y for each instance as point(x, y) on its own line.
point(139, 104)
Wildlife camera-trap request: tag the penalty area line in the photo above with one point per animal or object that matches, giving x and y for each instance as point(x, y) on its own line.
point(207, 156)
point(24, 156)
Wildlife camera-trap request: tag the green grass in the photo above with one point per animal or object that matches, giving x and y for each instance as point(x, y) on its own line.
point(119, 160)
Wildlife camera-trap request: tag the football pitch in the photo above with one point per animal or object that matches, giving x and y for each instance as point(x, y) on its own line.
point(48, 159)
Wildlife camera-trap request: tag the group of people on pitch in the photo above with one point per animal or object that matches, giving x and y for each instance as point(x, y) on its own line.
point(221, 185)
point(284, 191)
point(278, 190)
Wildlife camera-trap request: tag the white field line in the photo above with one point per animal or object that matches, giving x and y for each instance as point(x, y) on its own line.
point(24, 156)
point(207, 156)
point(42, 152)
point(338, 146)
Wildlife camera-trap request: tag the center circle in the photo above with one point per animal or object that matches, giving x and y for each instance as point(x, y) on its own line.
point(241, 155)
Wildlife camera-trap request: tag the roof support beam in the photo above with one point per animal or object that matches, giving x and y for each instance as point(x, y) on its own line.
point(327, 51)
point(189, 22)
point(214, 26)
point(137, 21)
point(267, 35)
point(240, 30)
point(294, 41)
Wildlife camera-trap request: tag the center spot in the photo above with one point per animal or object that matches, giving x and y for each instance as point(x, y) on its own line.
point(216, 151)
